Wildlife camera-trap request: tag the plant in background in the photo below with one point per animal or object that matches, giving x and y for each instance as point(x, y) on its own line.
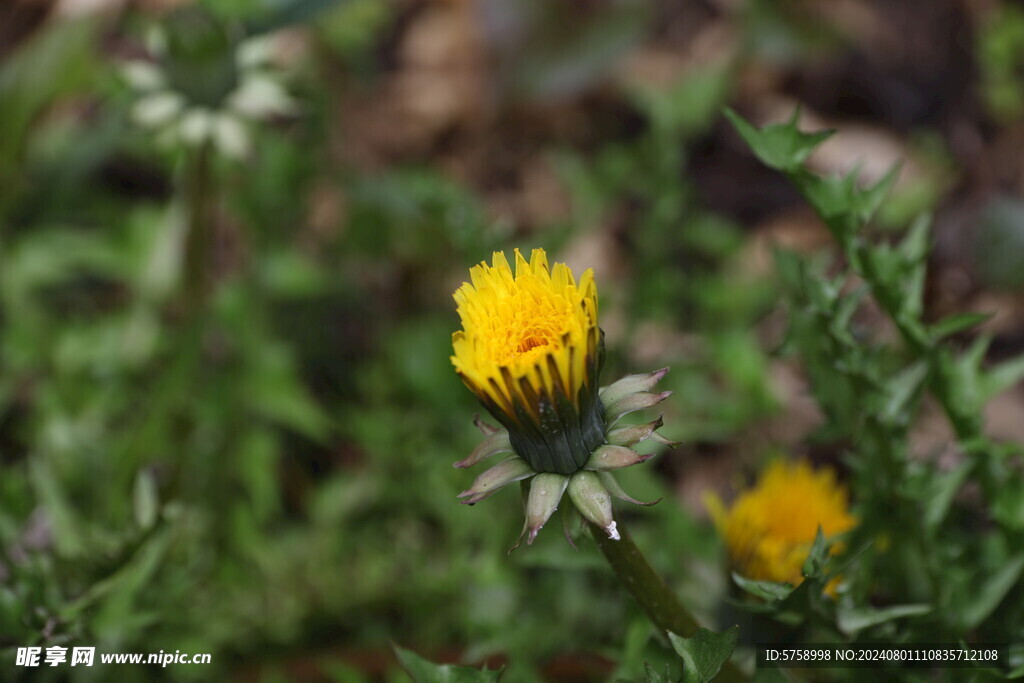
point(701, 284)
point(204, 84)
point(1000, 51)
point(770, 528)
point(531, 350)
point(922, 535)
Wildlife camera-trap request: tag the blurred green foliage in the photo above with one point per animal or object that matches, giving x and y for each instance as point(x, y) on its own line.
point(960, 566)
point(260, 468)
point(1000, 57)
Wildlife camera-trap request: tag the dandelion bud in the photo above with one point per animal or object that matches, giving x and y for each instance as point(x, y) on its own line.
point(531, 350)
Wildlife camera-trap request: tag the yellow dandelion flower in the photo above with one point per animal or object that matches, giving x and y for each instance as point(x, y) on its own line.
point(770, 528)
point(531, 350)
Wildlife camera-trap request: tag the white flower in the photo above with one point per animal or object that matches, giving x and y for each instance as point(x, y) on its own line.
point(158, 110)
point(196, 125)
point(258, 94)
point(144, 76)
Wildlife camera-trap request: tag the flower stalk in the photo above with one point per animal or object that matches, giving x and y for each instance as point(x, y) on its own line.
point(200, 208)
point(658, 601)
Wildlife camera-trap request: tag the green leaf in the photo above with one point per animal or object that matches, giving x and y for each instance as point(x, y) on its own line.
point(914, 252)
point(66, 523)
point(914, 247)
point(771, 675)
point(57, 60)
point(961, 379)
point(850, 620)
point(958, 323)
point(424, 671)
point(274, 392)
point(780, 145)
point(120, 589)
point(767, 590)
point(868, 200)
point(789, 266)
point(1001, 377)
point(814, 565)
point(704, 653)
point(652, 676)
point(839, 200)
point(845, 308)
point(688, 106)
point(902, 388)
point(1008, 507)
point(634, 644)
point(992, 592)
point(943, 488)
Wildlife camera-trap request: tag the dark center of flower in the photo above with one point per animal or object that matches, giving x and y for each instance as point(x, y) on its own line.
point(531, 342)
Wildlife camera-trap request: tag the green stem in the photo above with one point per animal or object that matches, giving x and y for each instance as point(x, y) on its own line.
point(200, 226)
point(659, 602)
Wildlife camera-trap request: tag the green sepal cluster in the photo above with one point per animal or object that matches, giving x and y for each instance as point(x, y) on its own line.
point(588, 481)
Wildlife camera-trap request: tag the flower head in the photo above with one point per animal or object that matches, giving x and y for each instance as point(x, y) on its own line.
point(531, 350)
point(203, 83)
point(770, 528)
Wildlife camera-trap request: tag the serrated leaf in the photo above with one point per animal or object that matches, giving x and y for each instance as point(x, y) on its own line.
point(869, 199)
point(843, 205)
point(850, 620)
point(1001, 377)
point(814, 565)
point(958, 323)
point(914, 247)
point(902, 388)
point(781, 146)
point(831, 197)
point(992, 592)
point(913, 252)
point(424, 671)
point(943, 488)
point(961, 377)
point(704, 653)
point(767, 590)
point(846, 307)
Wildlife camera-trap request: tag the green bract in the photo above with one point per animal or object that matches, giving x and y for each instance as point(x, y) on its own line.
point(590, 487)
